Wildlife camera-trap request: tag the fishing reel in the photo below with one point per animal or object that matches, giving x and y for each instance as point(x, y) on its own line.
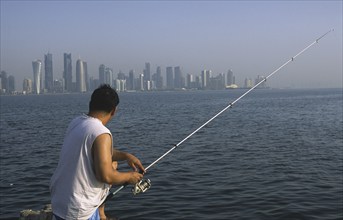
point(141, 186)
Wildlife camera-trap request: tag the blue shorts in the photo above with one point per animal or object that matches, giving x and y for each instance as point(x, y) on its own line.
point(95, 216)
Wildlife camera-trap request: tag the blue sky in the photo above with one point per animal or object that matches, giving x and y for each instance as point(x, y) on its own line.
point(250, 37)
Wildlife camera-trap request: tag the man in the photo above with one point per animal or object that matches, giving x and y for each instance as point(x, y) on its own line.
point(87, 165)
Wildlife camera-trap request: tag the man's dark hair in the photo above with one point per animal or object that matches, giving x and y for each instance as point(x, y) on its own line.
point(104, 99)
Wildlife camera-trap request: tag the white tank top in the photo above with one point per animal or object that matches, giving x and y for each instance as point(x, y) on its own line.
point(75, 191)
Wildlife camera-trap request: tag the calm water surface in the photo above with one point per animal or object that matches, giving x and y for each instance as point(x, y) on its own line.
point(277, 154)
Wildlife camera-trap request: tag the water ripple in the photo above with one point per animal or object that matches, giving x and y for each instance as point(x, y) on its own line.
point(276, 155)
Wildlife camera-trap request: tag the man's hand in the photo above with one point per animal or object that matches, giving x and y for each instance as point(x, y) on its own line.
point(131, 160)
point(134, 163)
point(134, 178)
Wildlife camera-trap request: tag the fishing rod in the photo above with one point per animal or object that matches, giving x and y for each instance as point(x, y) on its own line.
point(145, 184)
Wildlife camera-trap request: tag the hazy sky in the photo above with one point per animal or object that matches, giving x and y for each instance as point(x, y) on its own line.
point(250, 37)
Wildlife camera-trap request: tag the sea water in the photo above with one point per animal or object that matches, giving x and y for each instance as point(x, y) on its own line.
point(277, 154)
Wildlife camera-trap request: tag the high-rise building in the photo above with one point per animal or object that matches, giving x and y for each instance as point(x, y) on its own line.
point(37, 72)
point(217, 82)
point(108, 76)
point(11, 84)
point(178, 78)
point(204, 78)
point(159, 78)
point(190, 83)
point(58, 85)
point(27, 86)
point(230, 80)
point(120, 85)
point(197, 83)
point(147, 85)
point(105, 75)
point(248, 83)
point(93, 83)
point(147, 77)
point(68, 73)
point(141, 82)
point(121, 75)
point(102, 68)
point(49, 78)
point(208, 75)
point(80, 76)
point(85, 70)
point(4, 82)
point(170, 77)
point(147, 72)
point(131, 81)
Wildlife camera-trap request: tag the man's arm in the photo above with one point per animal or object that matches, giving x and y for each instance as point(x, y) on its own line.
point(102, 155)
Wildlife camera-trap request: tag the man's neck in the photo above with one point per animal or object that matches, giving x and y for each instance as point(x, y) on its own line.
point(102, 116)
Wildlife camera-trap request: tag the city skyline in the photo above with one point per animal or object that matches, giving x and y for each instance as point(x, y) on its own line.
point(251, 38)
point(80, 81)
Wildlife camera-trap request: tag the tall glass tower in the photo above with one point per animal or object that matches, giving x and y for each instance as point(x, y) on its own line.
point(230, 78)
point(205, 78)
point(37, 75)
point(178, 78)
point(146, 72)
point(102, 68)
point(159, 78)
point(170, 77)
point(85, 70)
point(109, 76)
point(131, 81)
point(67, 73)
point(4, 82)
point(49, 79)
point(80, 76)
point(27, 86)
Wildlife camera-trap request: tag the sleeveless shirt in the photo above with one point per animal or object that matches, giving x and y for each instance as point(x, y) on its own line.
point(75, 191)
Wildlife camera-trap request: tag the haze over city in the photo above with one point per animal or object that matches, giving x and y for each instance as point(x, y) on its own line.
point(250, 37)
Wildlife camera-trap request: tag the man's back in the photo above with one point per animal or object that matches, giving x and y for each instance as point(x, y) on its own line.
point(75, 191)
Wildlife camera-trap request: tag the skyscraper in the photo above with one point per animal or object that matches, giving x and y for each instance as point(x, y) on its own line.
point(147, 72)
point(170, 77)
point(141, 82)
point(102, 74)
point(4, 82)
point(11, 84)
point(85, 70)
point(131, 81)
point(49, 78)
point(80, 76)
point(68, 73)
point(121, 75)
point(120, 85)
point(190, 81)
point(203, 79)
point(27, 86)
point(105, 75)
point(37, 72)
point(248, 83)
point(159, 78)
point(108, 76)
point(178, 78)
point(230, 78)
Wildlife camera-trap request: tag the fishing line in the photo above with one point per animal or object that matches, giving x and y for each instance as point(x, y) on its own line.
point(145, 184)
